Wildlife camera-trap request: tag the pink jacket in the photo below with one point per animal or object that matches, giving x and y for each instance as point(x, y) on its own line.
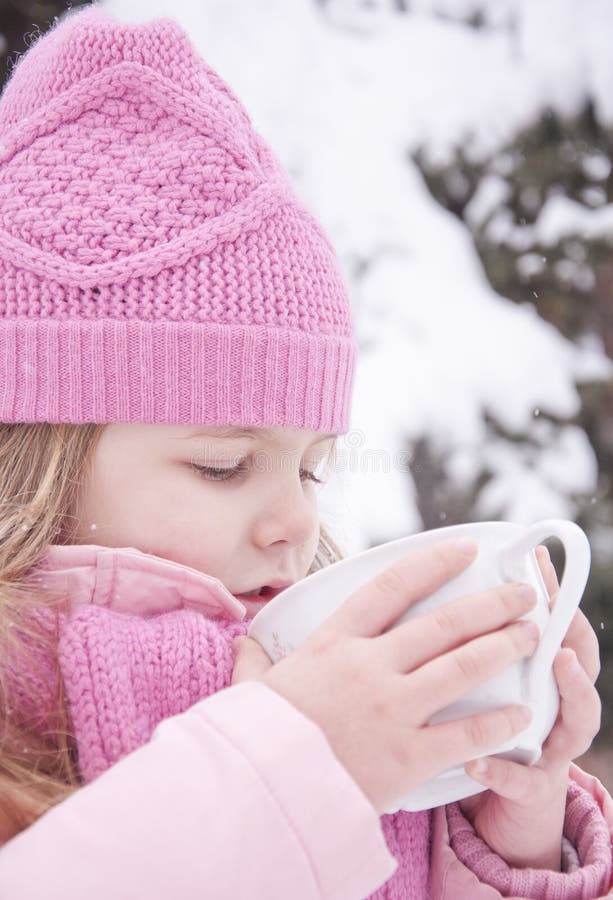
point(198, 789)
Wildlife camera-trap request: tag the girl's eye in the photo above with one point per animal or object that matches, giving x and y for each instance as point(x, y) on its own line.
point(211, 474)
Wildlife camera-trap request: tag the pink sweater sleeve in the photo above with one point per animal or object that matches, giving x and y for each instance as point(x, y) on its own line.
point(240, 796)
point(464, 866)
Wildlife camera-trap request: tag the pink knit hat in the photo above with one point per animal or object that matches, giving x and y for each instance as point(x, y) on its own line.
point(155, 265)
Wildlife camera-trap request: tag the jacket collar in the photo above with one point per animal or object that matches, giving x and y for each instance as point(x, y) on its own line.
point(127, 580)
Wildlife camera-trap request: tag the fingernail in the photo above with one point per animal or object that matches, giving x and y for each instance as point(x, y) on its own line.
point(466, 547)
point(573, 664)
point(530, 629)
point(527, 593)
point(479, 767)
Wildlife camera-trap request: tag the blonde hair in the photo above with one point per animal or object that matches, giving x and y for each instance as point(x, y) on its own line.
point(42, 466)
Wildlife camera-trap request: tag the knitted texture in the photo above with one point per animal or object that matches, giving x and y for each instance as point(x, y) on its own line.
point(584, 827)
point(125, 674)
point(155, 264)
point(146, 638)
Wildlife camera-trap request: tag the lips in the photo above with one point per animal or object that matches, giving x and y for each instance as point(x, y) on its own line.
point(265, 594)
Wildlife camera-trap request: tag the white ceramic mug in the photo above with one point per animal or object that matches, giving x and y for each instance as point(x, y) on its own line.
point(506, 554)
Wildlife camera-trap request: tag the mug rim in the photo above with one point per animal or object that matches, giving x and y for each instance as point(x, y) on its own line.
point(271, 609)
point(427, 533)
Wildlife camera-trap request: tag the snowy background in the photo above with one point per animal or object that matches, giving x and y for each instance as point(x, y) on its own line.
point(401, 125)
point(462, 394)
point(346, 92)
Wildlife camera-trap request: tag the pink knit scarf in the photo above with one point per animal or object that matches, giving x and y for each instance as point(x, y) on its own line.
point(124, 674)
point(146, 638)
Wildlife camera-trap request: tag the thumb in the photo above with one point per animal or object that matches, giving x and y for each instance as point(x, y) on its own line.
point(251, 660)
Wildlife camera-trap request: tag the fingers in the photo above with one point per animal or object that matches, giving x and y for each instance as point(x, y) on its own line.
point(508, 779)
point(548, 572)
point(581, 638)
point(413, 643)
point(444, 679)
point(580, 711)
point(451, 742)
point(251, 660)
point(376, 605)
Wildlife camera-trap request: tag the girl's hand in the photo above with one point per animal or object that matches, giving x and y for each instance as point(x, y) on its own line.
point(372, 690)
point(521, 816)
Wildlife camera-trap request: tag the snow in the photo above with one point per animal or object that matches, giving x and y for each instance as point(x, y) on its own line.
point(528, 480)
point(596, 166)
point(530, 264)
point(491, 193)
point(345, 92)
point(562, 217)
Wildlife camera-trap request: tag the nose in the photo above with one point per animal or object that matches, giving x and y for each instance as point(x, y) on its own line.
point(288, 515)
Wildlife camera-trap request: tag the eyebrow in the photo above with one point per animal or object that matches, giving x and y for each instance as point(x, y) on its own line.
point(250, 433)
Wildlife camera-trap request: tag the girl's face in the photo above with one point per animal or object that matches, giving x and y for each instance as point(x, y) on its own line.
point(237, 504)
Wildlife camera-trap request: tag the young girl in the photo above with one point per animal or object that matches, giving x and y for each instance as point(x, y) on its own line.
point(176, 359)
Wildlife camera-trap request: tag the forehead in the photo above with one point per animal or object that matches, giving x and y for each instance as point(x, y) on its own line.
point(281, 436)
point(138, 436)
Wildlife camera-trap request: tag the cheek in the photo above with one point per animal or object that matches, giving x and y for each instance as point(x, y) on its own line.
point(314, 541)
point(95, 509)
point(309, 548)
point(193, 527)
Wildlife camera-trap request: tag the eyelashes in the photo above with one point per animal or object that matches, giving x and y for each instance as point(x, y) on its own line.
point(211, 474)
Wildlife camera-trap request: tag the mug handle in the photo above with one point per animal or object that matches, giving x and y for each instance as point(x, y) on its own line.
point(574, 579)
